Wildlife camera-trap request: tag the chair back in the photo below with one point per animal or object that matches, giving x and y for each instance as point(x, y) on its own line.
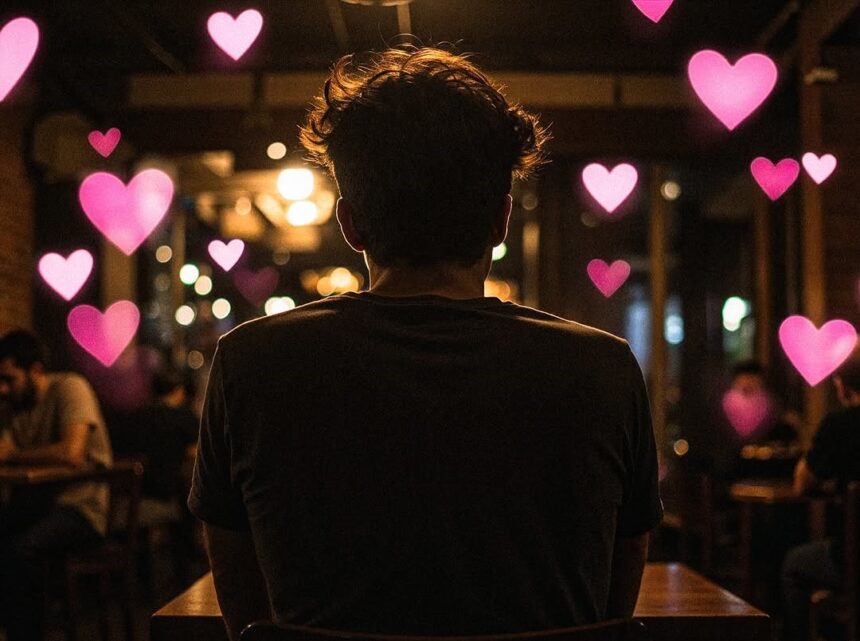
point(621, 630)
point(852, 558)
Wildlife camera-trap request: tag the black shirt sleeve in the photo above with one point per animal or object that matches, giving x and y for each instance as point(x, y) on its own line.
point(823, 457)
point(641, 508)
point(215, 497)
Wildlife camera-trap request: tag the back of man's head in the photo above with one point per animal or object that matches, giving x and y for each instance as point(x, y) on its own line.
point(24, 348)
point(423, 147)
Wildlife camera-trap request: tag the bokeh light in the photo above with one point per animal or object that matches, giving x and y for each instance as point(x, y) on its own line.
point(500, 251)
point(276, 150)
point(278, 304)
point(185, 315)
point(203, 285)
point(296, 184)
point(735, 309)
point(189, 273)
point(221, 308)
point(195, 359)
point(163, 254)
point(303, 212)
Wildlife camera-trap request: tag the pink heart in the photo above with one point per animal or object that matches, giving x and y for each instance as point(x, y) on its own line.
point(746, 412)
point(654, 10)
point(256, 287)
point(18, 42)
point(731, 92)
point(610, 188)
point(774, 179)
point(608, 278)
point(126, 215)
point(106, 335)
point(235, 35)
point(819, 169)
point(66, 275)
point(226, 255)
point(105, 143)
point(816, 353)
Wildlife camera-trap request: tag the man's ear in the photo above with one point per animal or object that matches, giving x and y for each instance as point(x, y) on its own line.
point(500, 221)
point(343, 212)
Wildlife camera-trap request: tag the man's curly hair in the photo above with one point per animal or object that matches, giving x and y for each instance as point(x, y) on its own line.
point(424, 146)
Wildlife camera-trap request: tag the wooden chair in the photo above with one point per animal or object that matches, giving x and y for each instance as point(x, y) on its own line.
point(843, 606)
point(117, 556)
point(621, 630)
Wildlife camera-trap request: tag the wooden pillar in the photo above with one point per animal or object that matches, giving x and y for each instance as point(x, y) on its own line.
point(659, 294)
point(763, 318)
point(812, 210)
point(531, 263)
point(17, 262)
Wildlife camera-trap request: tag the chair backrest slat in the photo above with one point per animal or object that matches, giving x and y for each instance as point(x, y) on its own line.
point(622, 630)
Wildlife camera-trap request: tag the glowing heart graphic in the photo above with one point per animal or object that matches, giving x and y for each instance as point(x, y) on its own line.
point(105, 143)
point(19, 39)
point(66, 275)
point(610, 188)
point(775, 180)
point(819, 169)
point(816, 353)
point(235, 35)
point(654, 10)
point(608, 278)
point(104, 336)
point(747, 412)
point(731, 92)
point(226, 255)
point(256, 287)
point(126, 214)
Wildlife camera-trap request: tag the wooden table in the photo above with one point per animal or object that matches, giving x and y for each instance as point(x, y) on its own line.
point(753, 492)
point(42, 474)
point(675, 603)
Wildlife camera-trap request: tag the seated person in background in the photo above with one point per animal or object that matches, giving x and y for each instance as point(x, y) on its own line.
point(765, 438)
point(165, 433)
point(834, 456)
point(419, 458)
point(750, 378)
point(54, 419)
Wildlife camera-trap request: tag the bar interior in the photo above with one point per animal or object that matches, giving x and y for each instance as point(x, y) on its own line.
point(699, 200)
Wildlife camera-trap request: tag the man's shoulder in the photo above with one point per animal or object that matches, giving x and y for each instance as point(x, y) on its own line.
point(574, 333)
point(69, 384)
point(253, 330)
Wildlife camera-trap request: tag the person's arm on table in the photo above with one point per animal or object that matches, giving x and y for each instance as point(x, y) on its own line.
point(628, 563)
point(70, 450)
point(239, 584)
point(641, 509)
point(216, 499)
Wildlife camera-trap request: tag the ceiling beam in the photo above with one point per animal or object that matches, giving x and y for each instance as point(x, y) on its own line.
point(338, 24)
point(557, 90)
point(824, 17)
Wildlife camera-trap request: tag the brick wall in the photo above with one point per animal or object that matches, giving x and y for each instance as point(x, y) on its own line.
point(16, 225)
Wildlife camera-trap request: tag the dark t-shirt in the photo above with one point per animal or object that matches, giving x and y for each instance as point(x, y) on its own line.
point(425, 465)
point(835, 452)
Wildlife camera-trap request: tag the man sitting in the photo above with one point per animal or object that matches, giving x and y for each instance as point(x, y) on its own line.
point(419, 458)
point(834, 456)
point(54, 419)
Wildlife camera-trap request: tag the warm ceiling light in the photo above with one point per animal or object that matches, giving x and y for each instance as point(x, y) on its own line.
point(276, 150)
point(302, 213)
point(296, 184)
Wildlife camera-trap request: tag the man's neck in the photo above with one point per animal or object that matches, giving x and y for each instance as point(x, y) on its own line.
point(449, 281)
